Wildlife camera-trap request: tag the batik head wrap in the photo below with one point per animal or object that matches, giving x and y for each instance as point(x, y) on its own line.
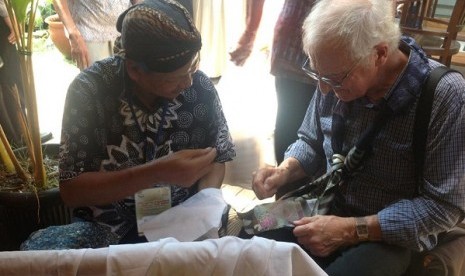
point(160, 34)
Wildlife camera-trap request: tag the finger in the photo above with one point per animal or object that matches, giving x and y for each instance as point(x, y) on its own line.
point(304, 220)
point(300, 230)
point(86, 61)
point(204, 156)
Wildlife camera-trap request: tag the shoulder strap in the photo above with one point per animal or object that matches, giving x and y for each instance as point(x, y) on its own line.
point(423, 116)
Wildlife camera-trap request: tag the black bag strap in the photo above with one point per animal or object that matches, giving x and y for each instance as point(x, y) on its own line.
point(423, 116)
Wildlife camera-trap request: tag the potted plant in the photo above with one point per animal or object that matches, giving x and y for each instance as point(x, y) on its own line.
point(26, 207)
point(57, 32)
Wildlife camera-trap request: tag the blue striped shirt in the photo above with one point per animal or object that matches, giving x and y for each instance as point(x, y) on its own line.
point(410, 214)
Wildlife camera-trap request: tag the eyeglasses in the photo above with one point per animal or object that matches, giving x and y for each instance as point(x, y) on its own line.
point(334, 84)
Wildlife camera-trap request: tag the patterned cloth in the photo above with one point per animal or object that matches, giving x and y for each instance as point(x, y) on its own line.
point(409, 214)
point(96, 19)
point(82, 234)
point(143, 26)
point(100, 133)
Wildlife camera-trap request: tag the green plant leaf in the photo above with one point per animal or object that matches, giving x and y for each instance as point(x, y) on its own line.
point(20, 9)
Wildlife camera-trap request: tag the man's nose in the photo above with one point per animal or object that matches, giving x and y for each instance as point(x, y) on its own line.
point(324, 87)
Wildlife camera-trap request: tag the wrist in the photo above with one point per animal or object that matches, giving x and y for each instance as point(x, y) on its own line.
point(362, 232)
point(74, 34)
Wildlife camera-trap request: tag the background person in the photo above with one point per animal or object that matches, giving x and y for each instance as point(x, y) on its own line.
point(91, 27)
point(293, 88)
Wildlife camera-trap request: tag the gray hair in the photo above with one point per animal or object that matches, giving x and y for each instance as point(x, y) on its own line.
point(351, 26)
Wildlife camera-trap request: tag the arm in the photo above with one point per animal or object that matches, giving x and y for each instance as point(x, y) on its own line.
point(6, 18)
point(79, 52)
point(181, 168)
point(322, 235)
point(214, 178)
point(439, 205)
point(302, 159)
point(11, 36)
point(245, 45)
point(266, 181)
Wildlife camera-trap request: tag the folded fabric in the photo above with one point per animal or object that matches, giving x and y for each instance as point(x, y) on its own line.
point(198, 217)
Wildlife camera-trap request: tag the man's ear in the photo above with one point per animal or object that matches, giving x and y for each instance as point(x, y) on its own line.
point(133, 69)
point(381, 51)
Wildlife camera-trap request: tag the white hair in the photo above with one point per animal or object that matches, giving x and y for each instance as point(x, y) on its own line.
point(352, 27)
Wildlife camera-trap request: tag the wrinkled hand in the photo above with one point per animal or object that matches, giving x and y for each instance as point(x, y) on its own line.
point(79, 52)
point(243, 49)
point(185, 167)
point(266, 181)
point(322, 235)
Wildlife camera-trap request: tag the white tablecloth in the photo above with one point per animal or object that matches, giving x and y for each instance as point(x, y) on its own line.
point(224, 256)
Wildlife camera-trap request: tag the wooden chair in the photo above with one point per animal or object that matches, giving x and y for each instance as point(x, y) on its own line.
point(436, 35)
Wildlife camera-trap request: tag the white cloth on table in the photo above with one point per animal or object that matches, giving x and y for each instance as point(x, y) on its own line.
point(224, 256)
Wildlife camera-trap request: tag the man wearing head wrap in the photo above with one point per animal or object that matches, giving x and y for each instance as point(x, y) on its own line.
point(146, 117)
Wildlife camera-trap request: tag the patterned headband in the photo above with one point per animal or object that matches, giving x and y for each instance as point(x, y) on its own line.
point(160, 34)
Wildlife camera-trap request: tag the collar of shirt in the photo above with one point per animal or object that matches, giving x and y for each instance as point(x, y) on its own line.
point(407, 89)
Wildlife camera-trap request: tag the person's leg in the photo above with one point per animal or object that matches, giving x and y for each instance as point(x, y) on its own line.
point(293, 98)
point(371, 259)
point(132, 237)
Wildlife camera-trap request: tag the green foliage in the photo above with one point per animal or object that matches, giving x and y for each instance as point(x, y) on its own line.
point(45, 9)
point(20, 7)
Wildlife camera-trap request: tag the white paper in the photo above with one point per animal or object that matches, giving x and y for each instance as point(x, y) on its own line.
point(199, 216)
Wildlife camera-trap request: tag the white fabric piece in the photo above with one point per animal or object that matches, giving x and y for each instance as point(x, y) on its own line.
point(225, 256)
point(199, 216)
point(222, 257)
point(50, 262)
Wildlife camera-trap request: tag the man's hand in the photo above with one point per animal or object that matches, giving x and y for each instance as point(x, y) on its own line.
point(79, 52)
point(322, 235)
point(11, 36)
point(266, 181)
point(185, 167)
point(243, 49)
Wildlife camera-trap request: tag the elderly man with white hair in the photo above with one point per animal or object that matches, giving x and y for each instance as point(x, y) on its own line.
point(390, 208)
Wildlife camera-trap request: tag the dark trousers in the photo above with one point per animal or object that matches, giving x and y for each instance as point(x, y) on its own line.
point(371, 259)
point(293, 98)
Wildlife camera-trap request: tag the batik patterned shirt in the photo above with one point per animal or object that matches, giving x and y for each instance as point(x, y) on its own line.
point(411, 213)
point(105, 129)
